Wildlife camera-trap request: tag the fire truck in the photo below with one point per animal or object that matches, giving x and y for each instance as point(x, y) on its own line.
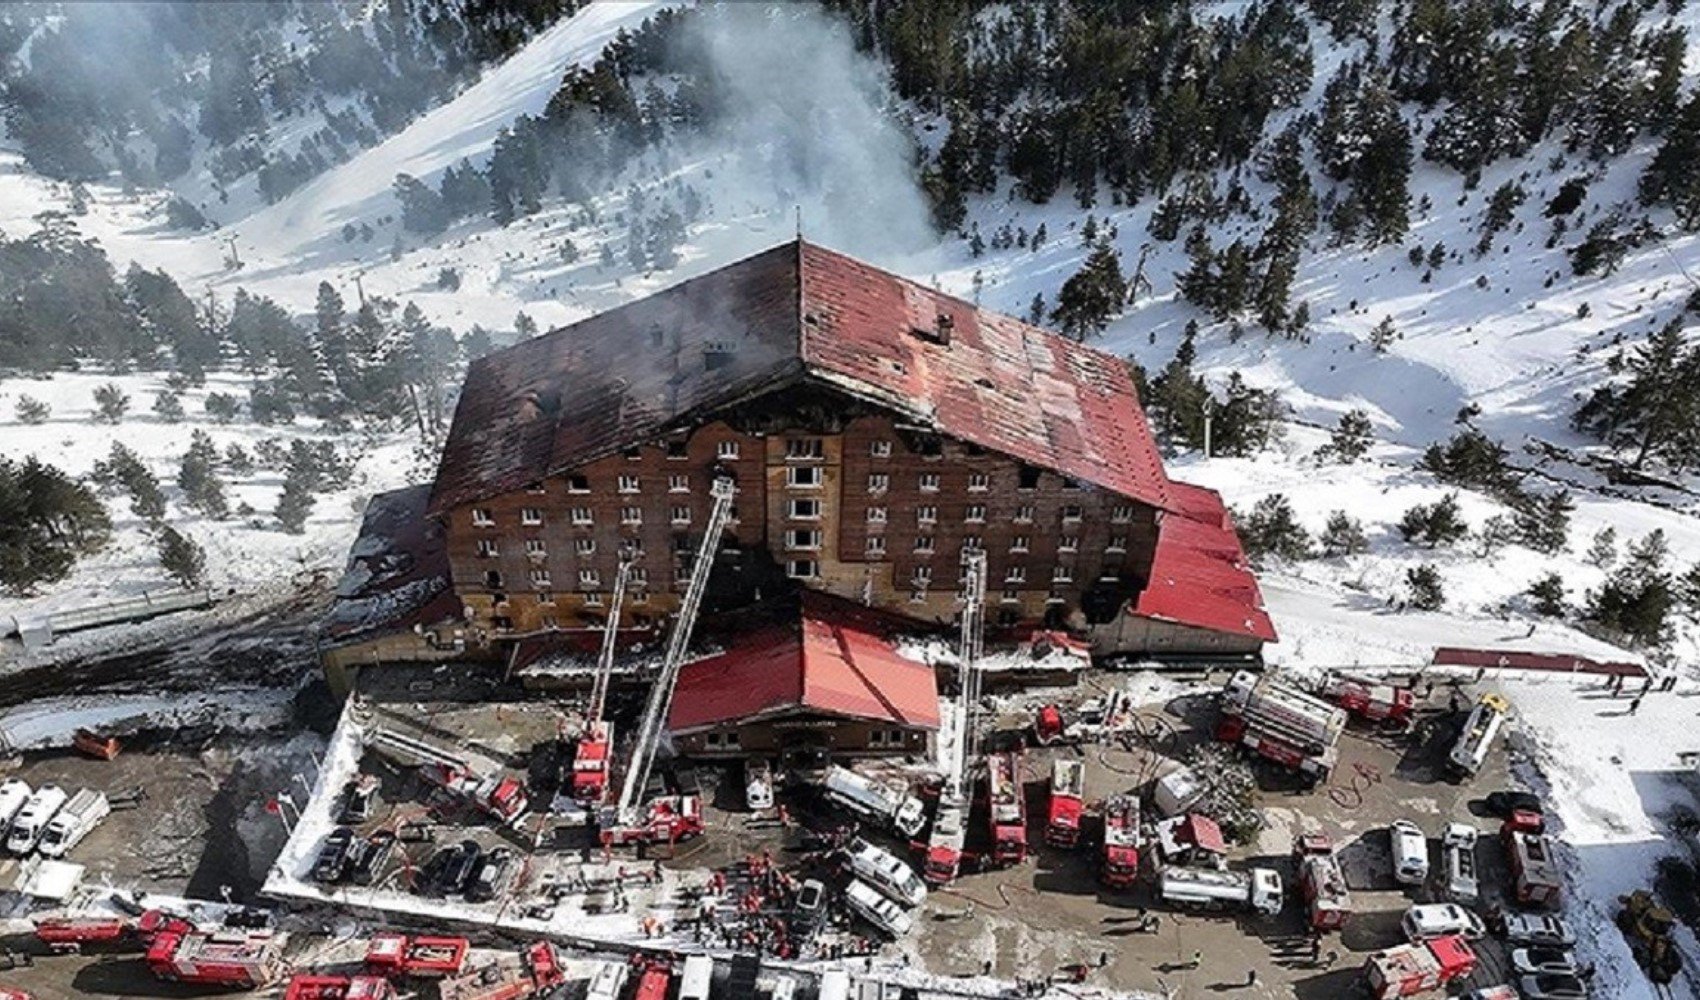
point(653, 981)
point(1418, 968)
point(502, 797)
point(670, 818)
point(1328, 899)
point(421, 957)
point(1281, 723)
point(1380, 703)
point(72, 933)
point(1534, 873)
point(309, 986)
point(596, 743)
point(1119, 867)
point(1062, 821)
point(942, 854)
point(7, 993)
point(234, 959)
point(1007, 812)
point(516, 977)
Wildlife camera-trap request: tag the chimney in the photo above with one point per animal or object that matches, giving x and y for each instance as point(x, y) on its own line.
point(530, 407)
point(943, 327)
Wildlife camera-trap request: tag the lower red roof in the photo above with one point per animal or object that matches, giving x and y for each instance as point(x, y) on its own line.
point(828, 663)
point(1199, 575)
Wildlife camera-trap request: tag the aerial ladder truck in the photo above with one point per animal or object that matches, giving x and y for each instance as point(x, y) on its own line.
point(502, 797)
point(950, 822)
point(595, 743)
point(667, 818)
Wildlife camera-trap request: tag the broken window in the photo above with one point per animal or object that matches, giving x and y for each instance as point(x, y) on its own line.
point(802, 448)
point(676, 450)
point(1029, 478)
point(1071, 512)
point(578, 484)
point(880, 449)
point(876, 515)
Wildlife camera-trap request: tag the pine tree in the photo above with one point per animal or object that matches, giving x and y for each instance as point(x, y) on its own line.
point(1543, 522)
point(1637, 599)
point(1656, 412)
point(1093, 296)
point(168, 406)
point(32, 411)
point(1384, 334)
point(1343, 535)
point(295, 504)
point(1272, 529)
point(1423, 587)
point(1351, 438)
point(1602, 551)
point(47, 521)
point(181, 557)
point(331, 338)
point(1436, 524)
point(197, 477)
point(110, 403)
point(1547, 595)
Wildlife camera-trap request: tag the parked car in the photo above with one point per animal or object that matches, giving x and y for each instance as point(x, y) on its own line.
point(494, 877)
point(334, 856)
point(1552, 988)
point(451, 868)
point(1428, 921)
point(1536, 928)
point(1502, 804)
point(375, 853)
point(1410, 852)
point(809, 909)
point(874, 907)
point(1543, 961)
point(359, 799)
point(758, 784)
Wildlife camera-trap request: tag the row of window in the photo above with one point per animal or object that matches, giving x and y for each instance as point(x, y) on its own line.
point(923, 575)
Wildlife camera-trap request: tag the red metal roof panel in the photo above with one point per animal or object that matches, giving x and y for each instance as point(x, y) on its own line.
point(1199, 575)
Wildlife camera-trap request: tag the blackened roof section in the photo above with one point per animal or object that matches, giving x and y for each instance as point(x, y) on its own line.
point(620, 378)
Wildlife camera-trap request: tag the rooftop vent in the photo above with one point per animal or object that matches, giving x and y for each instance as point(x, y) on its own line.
point(716, 354)
point(940, 332)
point(530, 407)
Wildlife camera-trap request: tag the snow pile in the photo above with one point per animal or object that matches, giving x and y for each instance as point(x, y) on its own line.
point(53, 722)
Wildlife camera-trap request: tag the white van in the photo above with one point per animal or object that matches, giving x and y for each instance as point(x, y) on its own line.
point(835, 985)
point(607, 982)
point(1428, 921)
point(697, 977)
point(14, 792)
point(30, 823)
point(1458, 849)
point(886, 872)
point(1410, 852)
point(891, 806)
point(73, 822)
point(871, 905)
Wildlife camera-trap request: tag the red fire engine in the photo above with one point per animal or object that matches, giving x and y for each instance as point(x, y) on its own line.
point(1379, 703)
point(653, 981)
point(1417, 968)
point(1120, 866)
point(70, 933)
point(427, 957)
point(1008, 808)
point(224, 959)
point(534, 970)
point(306, 986)
point(1324, 884)
point(7, 993)
point(1533, 871)
point(1062, 822)
point(668, 819)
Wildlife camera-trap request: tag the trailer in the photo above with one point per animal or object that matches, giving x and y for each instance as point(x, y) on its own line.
point(235, 960)
point(1418, 968)
point(1007, 810)
point(886, 804)
point(1534, 874)
point(1328, 900)
point(309, 986)
point(1258, 889)
point(533, 971)
point(421, 957)
point(1119, 866)
point(1067, 803)
point(1377, 702)
point(1281, 723)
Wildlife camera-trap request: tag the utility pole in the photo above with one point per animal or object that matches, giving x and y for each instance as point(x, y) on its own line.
point(1208, 407)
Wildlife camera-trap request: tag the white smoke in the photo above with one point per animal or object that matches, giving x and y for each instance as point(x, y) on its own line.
point(806, 125)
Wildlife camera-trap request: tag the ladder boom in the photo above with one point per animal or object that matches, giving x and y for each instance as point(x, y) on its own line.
point(605, 662)
point(661, 691)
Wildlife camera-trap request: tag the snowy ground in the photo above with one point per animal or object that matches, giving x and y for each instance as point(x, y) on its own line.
point(244, 552)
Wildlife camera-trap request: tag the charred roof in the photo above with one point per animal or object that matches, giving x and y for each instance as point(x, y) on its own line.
point(797, 312)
